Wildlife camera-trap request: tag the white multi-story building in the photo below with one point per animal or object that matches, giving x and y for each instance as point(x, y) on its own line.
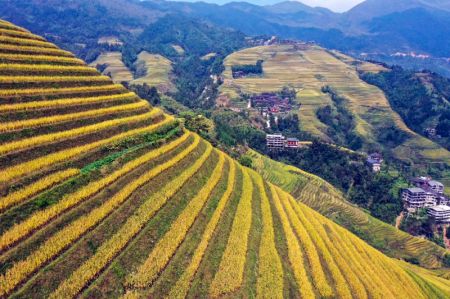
point(439, 214)
point(416, 198)
point(436, 186)
point(278, 141)
point(275, 141)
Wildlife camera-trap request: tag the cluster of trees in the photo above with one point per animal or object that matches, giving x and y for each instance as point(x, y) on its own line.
point(378, 193)
point(422, 100)
point(288, 124)
point(146, 92)
point(235, 128)
point(249, 69)
point(340, 121)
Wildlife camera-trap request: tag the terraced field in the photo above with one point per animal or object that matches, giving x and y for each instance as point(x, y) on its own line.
point(154, 70)
point(308, 70)
point(104, 196)
point(324, 198)
point(114, 66)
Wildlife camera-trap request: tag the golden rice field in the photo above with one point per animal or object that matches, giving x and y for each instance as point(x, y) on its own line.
point(103, 196)
point(151, 69)
point(154, 70)
point(115, 66)
point(324, 198)
point(308, 71)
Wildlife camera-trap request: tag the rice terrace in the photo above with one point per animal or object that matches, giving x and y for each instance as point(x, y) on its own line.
point(308, 69)
point(105, 196)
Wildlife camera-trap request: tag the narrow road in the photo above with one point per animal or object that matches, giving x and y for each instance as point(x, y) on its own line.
point(446, 240)
point(398, 220)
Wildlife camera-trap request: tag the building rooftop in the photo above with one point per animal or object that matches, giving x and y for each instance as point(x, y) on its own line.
point(440, 208)
point(435, 183)
point(373, 161)
point(275, 135)
point(415, 190)
point(293, 139)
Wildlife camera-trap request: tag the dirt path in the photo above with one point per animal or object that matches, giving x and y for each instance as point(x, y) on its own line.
point(446, 240)
point(398, 220)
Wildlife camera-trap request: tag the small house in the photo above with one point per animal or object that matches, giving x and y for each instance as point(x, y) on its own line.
point(375, 160)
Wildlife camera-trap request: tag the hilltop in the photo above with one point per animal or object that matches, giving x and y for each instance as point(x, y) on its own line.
point(333, 103)
point(103, 195)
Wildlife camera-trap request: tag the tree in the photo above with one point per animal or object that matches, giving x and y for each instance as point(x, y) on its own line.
point(246, 161)
point(199, 124)
point(148, 93)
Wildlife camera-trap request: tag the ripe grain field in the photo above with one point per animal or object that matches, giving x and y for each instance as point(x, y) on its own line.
point(102, 195)
point(330, 202)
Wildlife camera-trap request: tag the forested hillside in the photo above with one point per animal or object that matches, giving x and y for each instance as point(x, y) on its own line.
point(422, 99)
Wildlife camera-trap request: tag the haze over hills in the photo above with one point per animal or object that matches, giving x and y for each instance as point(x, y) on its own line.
point(103, 195)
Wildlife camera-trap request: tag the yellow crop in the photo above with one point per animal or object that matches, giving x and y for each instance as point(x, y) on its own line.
point(229, 277)
point(50, 79)
point(294, 251)
point(37, 50)
point(312, 253)
point(56, 91)
point(67, 154)
point(22, 41)
point(341, 273)
point(55, 137)
point(270, 270)
point(372, 283)
point(180, 289)
point(104, 254)
point(39, 218)
point(35, 188)
point(22, 269)
point(369, 258)
point(43, 121)
point(11, 26)
point(47, 68)
point(60, 103)
point(40, 58)
point(20, 34)
point(167, 246)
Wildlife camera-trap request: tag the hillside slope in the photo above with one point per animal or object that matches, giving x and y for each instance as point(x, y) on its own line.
point(311, 68)
point(326, 199)
point(105, 196)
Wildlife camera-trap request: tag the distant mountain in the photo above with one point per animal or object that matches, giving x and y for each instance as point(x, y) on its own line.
point(389, 30)
point(370, 9)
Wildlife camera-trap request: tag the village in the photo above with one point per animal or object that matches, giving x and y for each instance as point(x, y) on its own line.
point(428, 194)
point(274, 40)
